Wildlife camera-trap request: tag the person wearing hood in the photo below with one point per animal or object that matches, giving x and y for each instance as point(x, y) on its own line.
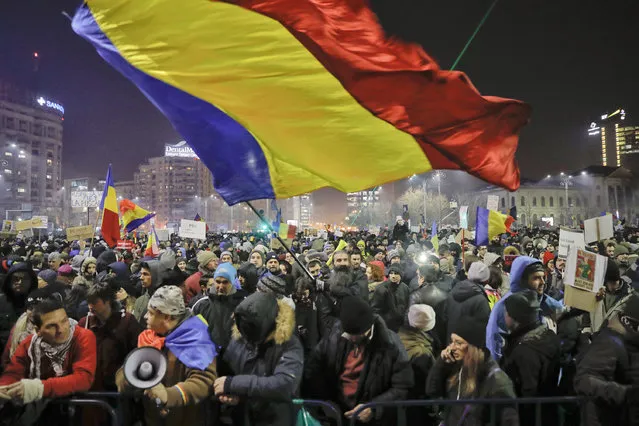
point(116, 332)
point(468, 298)
point(247, 276)
point(18, 283)
point(610, 300)
point(151, 277)
point(103, 261)
point(465, 370)
point(208, 262)
point(608, 373)
point(266, 359)
point(86, 272)
point(358, 362)
point(527, 273)
point(258, 258)
point(183, 396)
point(218, 307)
point(531, 355)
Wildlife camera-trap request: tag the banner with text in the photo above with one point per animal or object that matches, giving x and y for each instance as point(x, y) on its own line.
point(192, 229)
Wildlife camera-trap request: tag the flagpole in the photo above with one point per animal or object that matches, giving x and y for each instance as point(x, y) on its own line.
point(472, 37)
point(97, 218)
point(277, 235)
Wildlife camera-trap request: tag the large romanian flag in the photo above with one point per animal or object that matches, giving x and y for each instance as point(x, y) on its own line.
point(263, 90)
point(110, 226)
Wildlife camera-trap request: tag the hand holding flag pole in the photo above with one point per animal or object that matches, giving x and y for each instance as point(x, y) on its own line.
point(277, 235)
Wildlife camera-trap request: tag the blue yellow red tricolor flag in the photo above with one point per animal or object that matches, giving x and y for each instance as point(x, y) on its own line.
point(133, 215)
point(110, 225)
point(490, 224)
point(260, 89)
point(152, 248)
point(287, 231)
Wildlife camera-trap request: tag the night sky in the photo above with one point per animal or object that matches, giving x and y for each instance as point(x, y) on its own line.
point(572, 60)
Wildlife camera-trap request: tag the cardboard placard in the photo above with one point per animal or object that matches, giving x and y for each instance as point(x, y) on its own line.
point(7, 225)
point(192, 229)
point(44, 221)
point(125, 245)
point(80, 233)
point(35, 222)
point(463, 217)
point(585, 270)
point(163, 234)
point(580, 299)
point(568, 239)
point(598, 228)
point(493, 202)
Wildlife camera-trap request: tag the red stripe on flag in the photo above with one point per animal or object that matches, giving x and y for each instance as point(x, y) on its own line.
point(399, 83)
point(110, 227)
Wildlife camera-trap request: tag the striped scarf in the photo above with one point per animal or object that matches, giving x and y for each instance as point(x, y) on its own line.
point(55, 353)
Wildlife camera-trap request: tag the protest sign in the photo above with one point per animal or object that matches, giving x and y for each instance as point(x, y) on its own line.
point(125, 245)
point(44, 221)
point(580, 299)
point(585, 270)
point(7, 225)
point(493, 202)
point(35, 222)
point(80, 233)
point(598, 228)
point(567, 239)
point(192, 229)
point(163, 234)
point(463, 217)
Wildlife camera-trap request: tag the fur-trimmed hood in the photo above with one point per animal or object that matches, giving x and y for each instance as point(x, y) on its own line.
point(273, 319)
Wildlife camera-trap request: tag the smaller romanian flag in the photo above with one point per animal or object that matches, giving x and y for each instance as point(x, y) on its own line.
point(491, 224)
point(287, 231)
point(110, 226)
point(198, 218)
point(133, 215)
point(152, 248)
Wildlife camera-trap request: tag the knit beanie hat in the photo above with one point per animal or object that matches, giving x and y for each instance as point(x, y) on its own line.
point(620, 249)
point(272, 256)
point(478, 272)
point(392, 254)
point(272, 284)
point(490, 258)
point(548, 256)
point(65, 270)
point(260, 252)
point(421, 317)
point(356, 315)
point(612, 271)
point(395, 269)
point(49, 275)
point(316, 255)
point(472, 331)
point(523, 306)
point(76, 263)
point(226, 253)
point(226, 270)
point(169, 300)
point(54, 256)
point(204, 257)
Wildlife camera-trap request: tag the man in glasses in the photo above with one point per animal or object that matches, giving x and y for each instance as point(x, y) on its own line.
point(607, 374)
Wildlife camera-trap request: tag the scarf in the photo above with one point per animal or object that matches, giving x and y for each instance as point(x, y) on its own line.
point(55, 353)
point(149, 338)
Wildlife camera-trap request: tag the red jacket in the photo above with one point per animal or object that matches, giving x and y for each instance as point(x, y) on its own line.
point(80, 363)
point(193, 287)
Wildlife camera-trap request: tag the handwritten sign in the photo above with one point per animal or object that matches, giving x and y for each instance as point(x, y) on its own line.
point(79, 233)
point(22, 225)
point(192, 229)
point(568, 239)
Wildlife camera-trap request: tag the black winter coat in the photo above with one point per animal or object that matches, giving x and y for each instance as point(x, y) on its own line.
point(434, 297)
point(12, 305)
point(218, 313)
point(467, 299)
point(531, 358)
point(492, 382)
point(606, 370)
point(390, 301)
point(387, 373)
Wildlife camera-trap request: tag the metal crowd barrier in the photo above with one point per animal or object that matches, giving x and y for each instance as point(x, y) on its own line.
point(99, 399)
point(401, 406)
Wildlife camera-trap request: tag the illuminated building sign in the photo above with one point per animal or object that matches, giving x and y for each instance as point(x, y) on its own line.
point(45, 103)
point(180, 149)
point(593, 129)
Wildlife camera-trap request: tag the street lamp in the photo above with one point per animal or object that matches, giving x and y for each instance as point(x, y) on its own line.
point(566, 181)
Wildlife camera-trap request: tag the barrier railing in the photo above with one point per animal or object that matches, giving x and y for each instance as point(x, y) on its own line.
point(401, 406)
point(99, 399)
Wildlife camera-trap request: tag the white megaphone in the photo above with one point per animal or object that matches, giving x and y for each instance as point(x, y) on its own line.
point(145, 367)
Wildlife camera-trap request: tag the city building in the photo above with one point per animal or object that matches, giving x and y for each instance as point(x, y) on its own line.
point(79, 197)
point(31, 132)
point(175, 186)
point(125, 189)
point(619, 140)
point(568, 199)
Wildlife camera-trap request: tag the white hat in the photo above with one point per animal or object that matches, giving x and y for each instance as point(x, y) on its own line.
point(479, 272)
point(421, 317)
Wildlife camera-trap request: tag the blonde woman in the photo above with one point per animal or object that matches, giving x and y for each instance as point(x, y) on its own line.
point(465, 370)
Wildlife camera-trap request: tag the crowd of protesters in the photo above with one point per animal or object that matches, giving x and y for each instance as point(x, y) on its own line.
point(355, 319)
